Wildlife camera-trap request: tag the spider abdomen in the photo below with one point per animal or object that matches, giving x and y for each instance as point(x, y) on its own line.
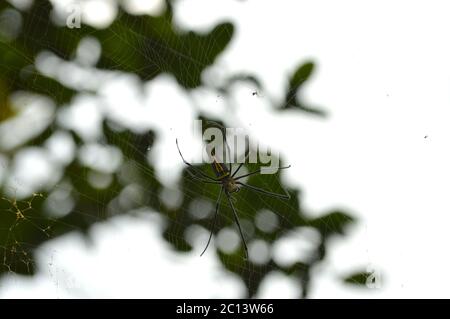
point(230, 185)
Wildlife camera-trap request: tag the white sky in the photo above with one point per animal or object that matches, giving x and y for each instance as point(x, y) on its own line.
point(384, 77)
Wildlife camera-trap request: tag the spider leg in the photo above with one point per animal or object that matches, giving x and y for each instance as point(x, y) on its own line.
point(260, 190)
point(236, 218)
point(216, 213)
point(197, 178)
point(223, 129)
point(193, 167)
point(258, 171)
point(240, 165)
point(229, 154)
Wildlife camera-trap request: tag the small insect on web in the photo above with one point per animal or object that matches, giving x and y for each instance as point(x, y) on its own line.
point(226, 178)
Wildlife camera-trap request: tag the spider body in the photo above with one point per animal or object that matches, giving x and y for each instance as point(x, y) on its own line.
point(220, 169)
point(230, 184)
point(224, 175)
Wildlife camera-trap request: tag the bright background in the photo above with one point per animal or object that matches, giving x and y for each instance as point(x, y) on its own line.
point(382, 154)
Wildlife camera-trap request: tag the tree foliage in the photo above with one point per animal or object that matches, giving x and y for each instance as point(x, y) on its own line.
point(146, 46)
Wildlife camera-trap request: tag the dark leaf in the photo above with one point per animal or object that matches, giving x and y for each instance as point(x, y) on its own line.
point(300, 76)
point(358, 278)
point(332, 223)
point(296, 81)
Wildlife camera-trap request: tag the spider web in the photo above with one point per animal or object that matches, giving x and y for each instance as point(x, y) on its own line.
point(112, 171)
point(15, 250)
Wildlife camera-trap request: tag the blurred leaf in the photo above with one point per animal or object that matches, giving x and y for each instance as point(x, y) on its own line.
point(165, 48)
point(296, 81)
point(300, 76)
point(6, 109)
point(332, 223)
point(358, 278)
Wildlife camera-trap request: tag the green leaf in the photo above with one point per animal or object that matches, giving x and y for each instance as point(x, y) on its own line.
point(296, 82)
point(358, 278)
point(301, 75)
point(332, 223)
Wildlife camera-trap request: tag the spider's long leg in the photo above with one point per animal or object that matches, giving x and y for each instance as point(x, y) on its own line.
point(260, 190)
point(230, 166)
point(240, 165)
point(223, 129)
point(236, 218)
point(192, 166)
point(197, 178)
point(258, 171)
point(214, 221)
point(237, 169)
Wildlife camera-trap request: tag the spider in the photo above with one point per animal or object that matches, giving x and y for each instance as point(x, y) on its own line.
point(229, 184)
